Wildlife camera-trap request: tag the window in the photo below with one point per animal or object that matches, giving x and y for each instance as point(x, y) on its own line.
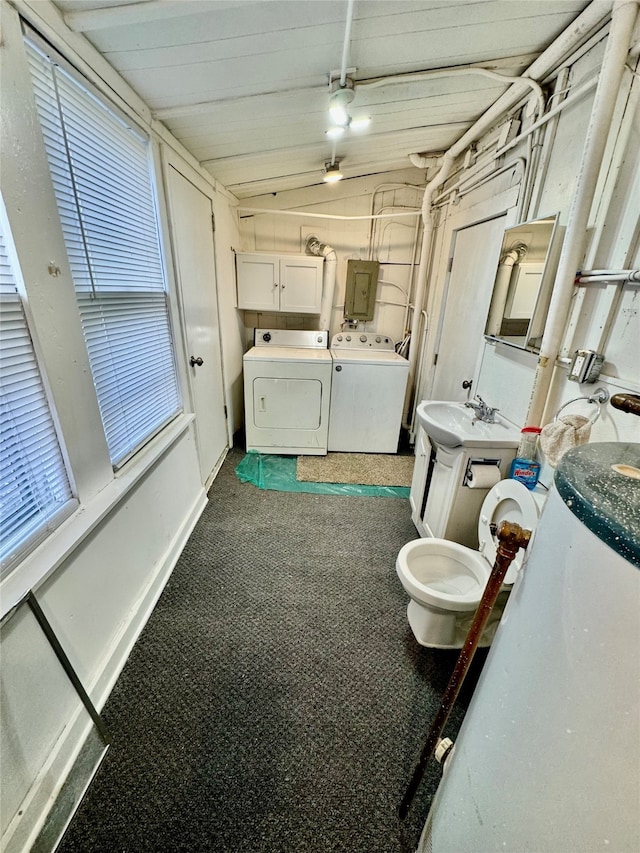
point(100, 167)
point(35, 494)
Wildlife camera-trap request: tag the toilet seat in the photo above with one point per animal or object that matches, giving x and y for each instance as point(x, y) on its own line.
point(508, 500)
point(443, 574)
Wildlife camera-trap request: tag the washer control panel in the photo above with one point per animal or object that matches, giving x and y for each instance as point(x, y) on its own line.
point(355, 340)
point(291, 338)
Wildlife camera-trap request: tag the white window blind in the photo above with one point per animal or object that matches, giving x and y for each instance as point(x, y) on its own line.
point(34, 489)
point(100, 168)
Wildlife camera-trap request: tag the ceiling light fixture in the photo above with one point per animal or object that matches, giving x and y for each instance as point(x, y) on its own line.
point(335, 132)
point(339, 99)
point(332, 172)
point(359, 123)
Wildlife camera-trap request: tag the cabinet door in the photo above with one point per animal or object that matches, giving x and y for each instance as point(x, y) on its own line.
point(442, 490)
point(419, 479)
point(258, 282)
point(301, 285)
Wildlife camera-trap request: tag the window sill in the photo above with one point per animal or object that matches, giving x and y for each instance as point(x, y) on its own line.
point(48, 556)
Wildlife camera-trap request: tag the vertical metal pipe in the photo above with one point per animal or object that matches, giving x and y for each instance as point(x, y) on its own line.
point(511, 537)
point(347, 41)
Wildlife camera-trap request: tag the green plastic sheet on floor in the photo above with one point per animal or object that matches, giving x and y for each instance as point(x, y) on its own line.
point(278, 473)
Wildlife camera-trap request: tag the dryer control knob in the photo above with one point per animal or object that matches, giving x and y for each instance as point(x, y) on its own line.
point(266, 337)
point(378, 339)
point(339, 337)
point(348, 338)
point(363, 338)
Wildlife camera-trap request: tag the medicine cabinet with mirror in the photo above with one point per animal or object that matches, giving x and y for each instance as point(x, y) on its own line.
point(523, 283)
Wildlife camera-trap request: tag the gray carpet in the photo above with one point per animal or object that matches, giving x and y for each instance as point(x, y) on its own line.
point(276, 701)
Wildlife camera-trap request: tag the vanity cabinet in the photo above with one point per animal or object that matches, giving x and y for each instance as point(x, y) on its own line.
point(442, 503)
point(268, 282)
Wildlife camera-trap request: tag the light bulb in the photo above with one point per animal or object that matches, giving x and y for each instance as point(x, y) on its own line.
point(335, 132)
point(339, 100)
point(359, 123)
point(332, 173)
point(339, 115)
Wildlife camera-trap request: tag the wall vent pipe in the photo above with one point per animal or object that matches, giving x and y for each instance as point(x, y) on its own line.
point(314, 246)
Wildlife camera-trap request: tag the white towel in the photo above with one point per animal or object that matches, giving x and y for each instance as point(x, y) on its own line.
point(561, 435)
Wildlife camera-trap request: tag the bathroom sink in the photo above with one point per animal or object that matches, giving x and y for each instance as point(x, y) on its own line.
point(455, 425)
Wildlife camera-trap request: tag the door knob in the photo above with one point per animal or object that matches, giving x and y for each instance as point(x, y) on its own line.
point(193, 361)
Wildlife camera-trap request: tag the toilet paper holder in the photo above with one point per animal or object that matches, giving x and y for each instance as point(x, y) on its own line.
point(479, 462)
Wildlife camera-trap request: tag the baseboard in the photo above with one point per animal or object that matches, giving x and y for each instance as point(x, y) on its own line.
point(37, 820)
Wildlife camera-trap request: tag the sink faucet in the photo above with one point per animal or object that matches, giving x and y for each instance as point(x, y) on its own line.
point(482, 411)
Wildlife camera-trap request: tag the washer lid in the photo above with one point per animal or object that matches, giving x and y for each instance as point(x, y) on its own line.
point(508, 500)
point(369, 356)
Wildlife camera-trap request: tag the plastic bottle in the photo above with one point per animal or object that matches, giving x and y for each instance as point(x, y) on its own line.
point(525, 468)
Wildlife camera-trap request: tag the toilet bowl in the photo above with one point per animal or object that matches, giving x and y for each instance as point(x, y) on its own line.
point(445, 580)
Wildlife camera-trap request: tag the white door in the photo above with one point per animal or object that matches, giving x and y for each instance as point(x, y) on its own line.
point(192, 233)
point(476, 252)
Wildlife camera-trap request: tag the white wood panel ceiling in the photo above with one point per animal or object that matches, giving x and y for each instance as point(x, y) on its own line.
point(244, 85)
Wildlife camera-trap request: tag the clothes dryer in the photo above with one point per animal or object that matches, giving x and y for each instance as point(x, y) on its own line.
point(287, 385)
point(367, 393)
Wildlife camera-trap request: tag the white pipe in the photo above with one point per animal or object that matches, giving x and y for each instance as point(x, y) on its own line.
point(315, 247)
point(548, 59)
point(549, 142)
point(575, 95)
point(475, 180)
point(308, 214)
point(618, 273)
point(575, 241)
point(631, 276)
point(419, 161)
point(501, 288)
point(347, 40)
point(456, 72)
point(384, 188)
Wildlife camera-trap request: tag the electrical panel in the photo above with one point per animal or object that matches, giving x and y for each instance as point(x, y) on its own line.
point(361, 288)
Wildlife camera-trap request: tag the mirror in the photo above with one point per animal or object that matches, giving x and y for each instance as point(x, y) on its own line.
point(522, 287)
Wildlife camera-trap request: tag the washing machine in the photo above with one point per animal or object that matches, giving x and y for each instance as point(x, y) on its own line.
point(287, 385)
point(367, 393)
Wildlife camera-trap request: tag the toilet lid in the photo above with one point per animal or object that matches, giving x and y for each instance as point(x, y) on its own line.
point(508, 500)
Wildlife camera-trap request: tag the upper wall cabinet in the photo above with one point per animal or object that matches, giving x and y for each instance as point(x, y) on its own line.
point(290, 283)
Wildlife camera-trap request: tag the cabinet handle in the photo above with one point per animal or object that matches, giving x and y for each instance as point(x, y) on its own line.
point(467, 384)
point(193, 361)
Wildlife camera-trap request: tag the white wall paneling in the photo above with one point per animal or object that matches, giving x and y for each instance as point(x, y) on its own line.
point(101, 586)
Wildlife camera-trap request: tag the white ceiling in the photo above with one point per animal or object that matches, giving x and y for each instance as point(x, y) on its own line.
point(243, 84)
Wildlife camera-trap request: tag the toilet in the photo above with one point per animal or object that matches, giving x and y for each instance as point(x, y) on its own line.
point(445, 580)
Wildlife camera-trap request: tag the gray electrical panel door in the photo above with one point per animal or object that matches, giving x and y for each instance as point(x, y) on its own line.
point(360, 293)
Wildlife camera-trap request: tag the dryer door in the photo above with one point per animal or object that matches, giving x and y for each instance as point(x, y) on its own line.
point(287, 403)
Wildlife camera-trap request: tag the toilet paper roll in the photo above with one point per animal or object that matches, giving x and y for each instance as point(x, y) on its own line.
point(483, 476)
